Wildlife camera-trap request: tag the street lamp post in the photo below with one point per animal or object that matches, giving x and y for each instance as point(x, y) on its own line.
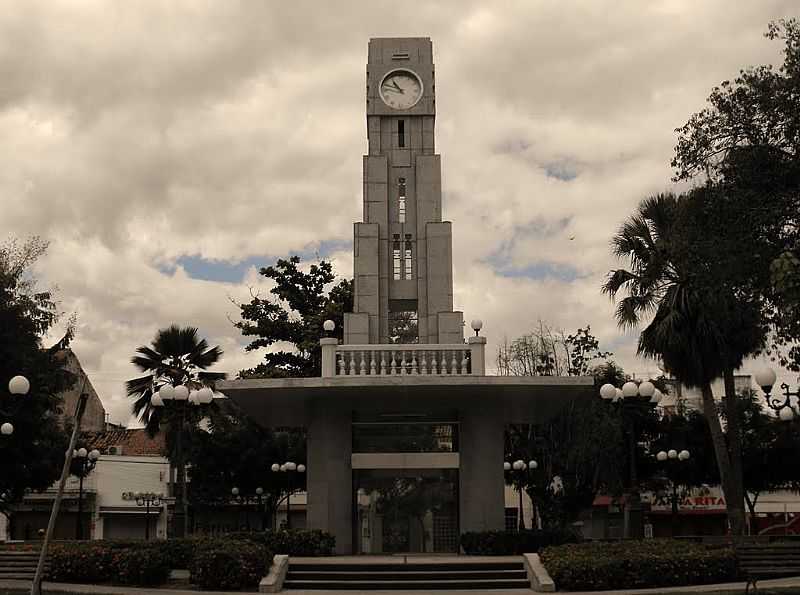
point(261, 507)
point(671, 459)
point(148, 499)
point(290, 469)
point(179, 398)
point(257, 498)
point(630, 397)
point(83, 463)
point(18, 386)
point(519, 470)
point(782, 404)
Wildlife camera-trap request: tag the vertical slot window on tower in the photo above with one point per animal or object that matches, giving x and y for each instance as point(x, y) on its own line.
point(401, 133)
point(407, 257)
point(401, 200)
point(396, 264)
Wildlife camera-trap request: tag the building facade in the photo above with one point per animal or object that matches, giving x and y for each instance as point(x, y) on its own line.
point(106, 507)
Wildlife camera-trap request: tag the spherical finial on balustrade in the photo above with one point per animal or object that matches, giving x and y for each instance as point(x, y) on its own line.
point(328, 326)
point(477, 325)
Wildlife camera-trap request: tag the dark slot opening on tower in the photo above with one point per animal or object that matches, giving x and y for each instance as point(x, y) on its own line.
point(403, 321)
point(401, 133)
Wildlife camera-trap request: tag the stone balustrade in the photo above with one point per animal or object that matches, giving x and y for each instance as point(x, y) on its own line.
point(461, 359)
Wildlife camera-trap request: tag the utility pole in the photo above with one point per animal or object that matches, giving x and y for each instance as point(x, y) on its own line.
point(36, 586)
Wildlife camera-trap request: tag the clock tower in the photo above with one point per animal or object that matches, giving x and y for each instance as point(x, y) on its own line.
point(403, 250)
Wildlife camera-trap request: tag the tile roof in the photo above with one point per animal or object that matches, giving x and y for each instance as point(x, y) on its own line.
point(133, 442)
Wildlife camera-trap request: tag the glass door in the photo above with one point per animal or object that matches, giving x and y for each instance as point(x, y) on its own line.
point(406, 510)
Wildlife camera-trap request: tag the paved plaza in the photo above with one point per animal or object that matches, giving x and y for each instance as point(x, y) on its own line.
point(14, 587)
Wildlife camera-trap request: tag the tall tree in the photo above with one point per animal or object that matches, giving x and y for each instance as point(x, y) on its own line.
point(303, 303)
point(33, 455)
point(747, 142)
point(758, 111)
point(700, 322)
point(177, 356)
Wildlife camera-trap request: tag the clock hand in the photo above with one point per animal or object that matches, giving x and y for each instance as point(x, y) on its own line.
point(396, 86)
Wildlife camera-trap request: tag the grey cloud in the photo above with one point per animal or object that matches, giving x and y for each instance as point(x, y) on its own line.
point(135, 133)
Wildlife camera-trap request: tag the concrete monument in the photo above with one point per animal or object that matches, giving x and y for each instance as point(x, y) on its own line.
point(404, 427)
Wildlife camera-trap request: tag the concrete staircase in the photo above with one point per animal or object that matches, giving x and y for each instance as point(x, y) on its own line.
point(19, 565)
point(407, 572)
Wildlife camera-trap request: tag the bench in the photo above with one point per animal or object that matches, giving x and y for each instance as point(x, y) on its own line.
point(767, 560)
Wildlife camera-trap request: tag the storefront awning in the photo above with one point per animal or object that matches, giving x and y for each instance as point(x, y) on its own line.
point(129, 510)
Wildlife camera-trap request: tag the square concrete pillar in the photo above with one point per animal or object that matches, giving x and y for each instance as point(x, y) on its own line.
point(450, 327)
point(329, 480)
point(356, 328)
point(481, 481)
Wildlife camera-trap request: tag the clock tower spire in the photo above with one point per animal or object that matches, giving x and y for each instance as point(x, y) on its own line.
point(403, 250)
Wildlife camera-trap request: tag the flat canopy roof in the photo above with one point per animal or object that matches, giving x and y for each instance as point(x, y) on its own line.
point(523, 399)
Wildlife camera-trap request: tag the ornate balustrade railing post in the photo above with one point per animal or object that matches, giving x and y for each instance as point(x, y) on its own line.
point(477, 349)
point(328, 345)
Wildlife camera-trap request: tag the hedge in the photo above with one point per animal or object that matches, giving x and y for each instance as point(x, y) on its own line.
point(292, 542)
point(229, 565)
point(637, 565)
point(507, 543)
point(140, 567)
point(232, 562)
point(90, 562)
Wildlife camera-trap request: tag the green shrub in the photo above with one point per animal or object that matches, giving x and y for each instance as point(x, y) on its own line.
point(229, 564)
point(178, 553)
point(293, 542)
point(506, 543)
point(89, 562)
point(94, 562)
point(637, 564)
point(141, 567)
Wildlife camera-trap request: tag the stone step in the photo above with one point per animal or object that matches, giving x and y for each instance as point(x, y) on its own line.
point(399, 575)
point(18, 576)
point(426, 585)
point(403, 567)
point(413, 576)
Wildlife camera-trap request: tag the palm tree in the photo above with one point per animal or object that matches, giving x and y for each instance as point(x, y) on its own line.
point(176, 357)
point(700, 327)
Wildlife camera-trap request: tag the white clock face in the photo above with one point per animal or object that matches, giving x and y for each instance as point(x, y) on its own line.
point(401, 89)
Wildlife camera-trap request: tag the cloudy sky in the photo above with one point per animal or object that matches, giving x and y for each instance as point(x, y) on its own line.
point(168, 149)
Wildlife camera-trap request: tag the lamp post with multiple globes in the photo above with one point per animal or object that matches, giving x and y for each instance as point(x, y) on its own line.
point(83, 462)
point(783, 404)
point(148, 499)
point(243, 500)
point(518, 472)
point(178, 399)
point(18, 387)
point(632, 397)
point(672, 459)
point(290, 469)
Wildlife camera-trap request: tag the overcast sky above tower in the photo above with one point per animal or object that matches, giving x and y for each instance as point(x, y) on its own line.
point(168, 150)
